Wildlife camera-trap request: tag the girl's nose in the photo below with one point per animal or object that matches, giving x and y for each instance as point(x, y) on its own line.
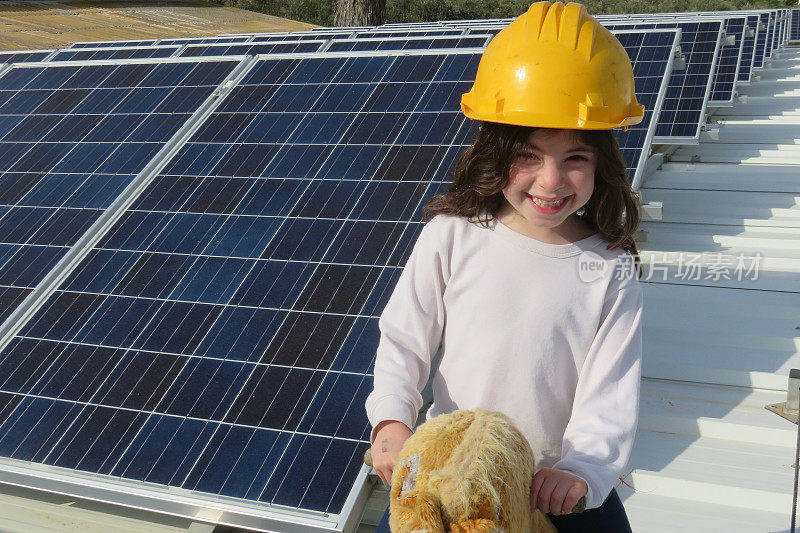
point(550, 176)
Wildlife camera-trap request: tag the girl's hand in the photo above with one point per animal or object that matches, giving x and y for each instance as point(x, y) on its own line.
point(556, 491)
point(389, 440)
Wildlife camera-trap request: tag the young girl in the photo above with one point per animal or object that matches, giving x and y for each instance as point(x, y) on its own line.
point(527, 274)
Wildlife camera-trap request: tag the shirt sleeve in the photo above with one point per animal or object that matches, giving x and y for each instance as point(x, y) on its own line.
point(599, 437)
point(411, 328)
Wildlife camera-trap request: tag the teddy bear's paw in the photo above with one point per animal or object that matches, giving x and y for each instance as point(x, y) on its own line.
point(478, 525)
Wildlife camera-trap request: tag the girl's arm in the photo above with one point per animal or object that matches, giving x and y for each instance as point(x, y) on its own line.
point(411, 328)
point(599, 437)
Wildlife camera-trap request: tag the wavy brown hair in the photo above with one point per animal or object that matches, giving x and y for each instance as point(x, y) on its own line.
point(482, 172)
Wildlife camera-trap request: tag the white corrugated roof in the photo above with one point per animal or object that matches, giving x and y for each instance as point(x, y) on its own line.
point(708, 456)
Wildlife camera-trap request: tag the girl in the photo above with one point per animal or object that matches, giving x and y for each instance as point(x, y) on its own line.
point(526, 272)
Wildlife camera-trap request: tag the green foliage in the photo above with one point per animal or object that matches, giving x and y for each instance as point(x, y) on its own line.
point(321, 11)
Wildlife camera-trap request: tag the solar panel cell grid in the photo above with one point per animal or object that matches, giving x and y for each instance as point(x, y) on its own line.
point(651, 56)
point(761, 41)
point(203, 40)
point(301, 36)
point(377, 34)
point(71, 139)
point(27, 56)
point(86, 54)
point(748, 49)
point(410, 43)
point(724, 84)
point(279, 271)
point(99, 44)
point(279, 47)
point(682, 113)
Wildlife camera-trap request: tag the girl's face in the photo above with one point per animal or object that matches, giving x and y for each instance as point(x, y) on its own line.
point(555, 166)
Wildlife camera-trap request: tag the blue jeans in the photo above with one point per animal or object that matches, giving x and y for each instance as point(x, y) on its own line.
point(608, 518)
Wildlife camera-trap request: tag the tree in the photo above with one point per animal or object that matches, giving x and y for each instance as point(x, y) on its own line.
point(359, 13)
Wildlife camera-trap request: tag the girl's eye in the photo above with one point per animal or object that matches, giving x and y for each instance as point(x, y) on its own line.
point(580, 158)
point(528, 155)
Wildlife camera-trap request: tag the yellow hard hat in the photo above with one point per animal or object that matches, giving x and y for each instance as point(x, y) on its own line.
point(554, 67)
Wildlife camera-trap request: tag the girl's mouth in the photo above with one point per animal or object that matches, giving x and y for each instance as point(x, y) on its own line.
point(546, 207)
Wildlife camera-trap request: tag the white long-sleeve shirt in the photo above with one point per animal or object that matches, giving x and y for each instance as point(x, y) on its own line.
point(549, 334)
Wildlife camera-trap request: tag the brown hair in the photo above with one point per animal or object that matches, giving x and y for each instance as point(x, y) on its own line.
point(482, 172)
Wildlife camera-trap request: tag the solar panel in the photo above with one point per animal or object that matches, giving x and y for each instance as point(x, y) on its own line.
point(408, 43)
point(204, 40)
point(748, 49)
point(489, 31)
point(266, 246)
point(795, 32)
point(380, 34)
point(25, 56)
point(127, 52)
point(785, 24)
point(761, 40)
point(730, 56)
point(770, 44)
point(277, 47)
point(725, 70)
point(778, 40)
point(100, 44)
point(302, 36)
point(341, 28)
point(72, 137)
point(683, 111)
point(651, 54)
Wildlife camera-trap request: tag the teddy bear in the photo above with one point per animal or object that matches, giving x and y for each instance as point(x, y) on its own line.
point(468, 471)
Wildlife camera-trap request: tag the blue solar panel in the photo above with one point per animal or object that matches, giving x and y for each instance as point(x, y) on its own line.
point(379, 34)
point(487, 31)
point(651, 55)
point(407, 43)
point(795, 31)
point(761, 40)
point(302, 36)
point(748, 49)
point(86, 54)
point(770, 44)
point(101, 44)
point(72, 137)
point(24, 56)
point(238, 296)
point(278, 47)
point(204, 40)
point(785, 23)
point(730, 57)
point(682, 114)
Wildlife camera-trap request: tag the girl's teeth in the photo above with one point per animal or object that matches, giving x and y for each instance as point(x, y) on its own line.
point(548, 204)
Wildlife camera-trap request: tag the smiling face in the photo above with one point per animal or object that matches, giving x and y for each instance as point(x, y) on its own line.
point(549, 180)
